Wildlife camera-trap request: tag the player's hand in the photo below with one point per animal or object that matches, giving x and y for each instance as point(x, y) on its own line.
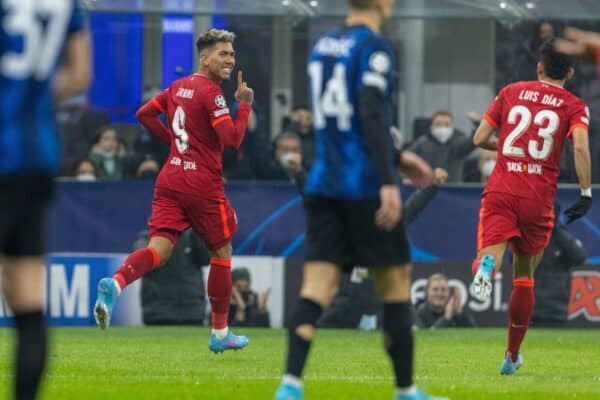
point(243, 94)
point(578, 43)
point(579, 209)
point(439, 176)
point(390, 211)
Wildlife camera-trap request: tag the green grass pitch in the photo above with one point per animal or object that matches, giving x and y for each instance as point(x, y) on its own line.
point(174, 363)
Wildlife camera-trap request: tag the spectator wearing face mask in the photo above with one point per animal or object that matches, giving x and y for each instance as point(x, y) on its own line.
point(443, 146)
point(486, 164)
point(288, 150)
point(85, 171)
point(108, 155)
point(442, 307)
point(247, 308)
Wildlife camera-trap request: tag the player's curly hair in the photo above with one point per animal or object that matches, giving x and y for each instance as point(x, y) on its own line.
point(556, 65)
point(213, 36)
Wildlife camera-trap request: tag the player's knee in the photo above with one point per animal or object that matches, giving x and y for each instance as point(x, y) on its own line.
point(306, 332)
point(222, 252)
point(322, 295)
point(8, 291)
point(22, 301)
point(164, 255)
point(304, 318)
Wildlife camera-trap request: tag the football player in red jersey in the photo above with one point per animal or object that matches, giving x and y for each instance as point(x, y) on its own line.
point(533, 120)
point(189, 190)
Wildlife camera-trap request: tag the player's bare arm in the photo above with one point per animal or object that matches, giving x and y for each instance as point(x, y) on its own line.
point(581, 153)
point(415, 169)
point(578, 43)
point(75, 74)
point(148, 117)
point(483, 137)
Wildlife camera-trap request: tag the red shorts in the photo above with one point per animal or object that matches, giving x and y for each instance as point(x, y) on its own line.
point(527, 224)
point(214, 220)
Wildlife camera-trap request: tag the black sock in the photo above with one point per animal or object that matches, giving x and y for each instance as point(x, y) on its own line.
point(30, 354)
point(397, 327)
point(307, 312)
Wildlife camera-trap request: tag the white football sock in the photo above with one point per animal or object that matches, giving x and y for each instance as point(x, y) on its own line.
point(407, 391)
point(291, 380)
point(220, 333)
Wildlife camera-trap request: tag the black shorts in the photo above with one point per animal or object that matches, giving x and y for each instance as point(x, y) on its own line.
point(343, 232)
point(23, 201)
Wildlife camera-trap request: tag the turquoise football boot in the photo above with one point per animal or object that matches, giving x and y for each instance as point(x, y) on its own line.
point(229, 342)
point(108, 292)
point(509, 366)
point(419, 395)
point(289, 392)
point(481, 287)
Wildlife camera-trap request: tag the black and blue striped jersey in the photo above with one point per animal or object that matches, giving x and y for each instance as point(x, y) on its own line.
point(33, 34)
point(342, 63)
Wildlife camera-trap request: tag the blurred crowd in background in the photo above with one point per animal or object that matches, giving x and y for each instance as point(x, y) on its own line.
point(96, 149)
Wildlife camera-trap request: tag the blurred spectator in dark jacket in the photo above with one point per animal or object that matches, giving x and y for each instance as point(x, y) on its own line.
point(443, 146)
point(108, 155)
point(301, 123)
point(147, 169)
point(288, 150)
point(529, 52)
point(553, 275)
point(242, 164)
point(85, 170)
point(442, 306)
point(247, 307)
point(174, 294)
point(146, 144)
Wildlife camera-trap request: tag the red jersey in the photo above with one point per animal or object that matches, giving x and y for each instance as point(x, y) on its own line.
point(196, 113)
point(534, 119)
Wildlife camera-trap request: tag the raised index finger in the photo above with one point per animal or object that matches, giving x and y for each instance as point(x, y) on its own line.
point(240, 78)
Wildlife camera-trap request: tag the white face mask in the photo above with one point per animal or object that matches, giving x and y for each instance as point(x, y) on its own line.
point(487, 168)
point(442, 133)
point(86, 177)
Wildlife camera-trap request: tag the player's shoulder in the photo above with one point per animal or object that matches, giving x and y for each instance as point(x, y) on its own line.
point(196, 82)
point(516, 87)
point(370, 41)
point(573, 100)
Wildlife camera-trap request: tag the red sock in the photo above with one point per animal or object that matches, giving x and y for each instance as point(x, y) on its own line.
point(219, 291)
point(520, 308)
point(136, 265)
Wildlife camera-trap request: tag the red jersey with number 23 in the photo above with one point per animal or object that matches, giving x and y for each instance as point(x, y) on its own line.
point(194, 105)
point(533, 118)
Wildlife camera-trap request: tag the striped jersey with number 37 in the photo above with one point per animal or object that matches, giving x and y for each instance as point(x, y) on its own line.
point(32, 37)
point(342, 63)
point(534, 119)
